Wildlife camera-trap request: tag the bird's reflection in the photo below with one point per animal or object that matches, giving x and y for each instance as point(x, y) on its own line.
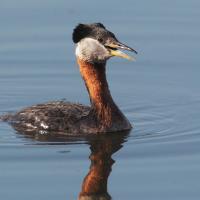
point(94, 186)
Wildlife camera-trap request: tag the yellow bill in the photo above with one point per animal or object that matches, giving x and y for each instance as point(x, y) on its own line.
point(121, 54)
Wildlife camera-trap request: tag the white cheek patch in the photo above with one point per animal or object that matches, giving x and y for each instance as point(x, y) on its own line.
point(91, 50)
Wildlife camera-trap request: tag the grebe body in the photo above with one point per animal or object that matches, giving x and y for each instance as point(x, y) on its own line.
point(94, 46)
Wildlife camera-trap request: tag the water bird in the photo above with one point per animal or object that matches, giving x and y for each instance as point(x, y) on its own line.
point(94, 46)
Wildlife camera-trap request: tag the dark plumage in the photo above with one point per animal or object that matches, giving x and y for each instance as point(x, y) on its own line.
point(55, 116)
point(96, 31)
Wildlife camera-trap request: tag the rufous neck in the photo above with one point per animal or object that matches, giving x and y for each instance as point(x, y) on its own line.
point(101, 100)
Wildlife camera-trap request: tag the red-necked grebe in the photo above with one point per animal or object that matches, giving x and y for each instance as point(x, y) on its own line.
point(94, 46)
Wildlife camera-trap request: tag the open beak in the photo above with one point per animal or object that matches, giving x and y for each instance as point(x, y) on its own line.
point(114, 47)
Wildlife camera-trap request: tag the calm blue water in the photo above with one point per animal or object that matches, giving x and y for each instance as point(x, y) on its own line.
point(159, 93)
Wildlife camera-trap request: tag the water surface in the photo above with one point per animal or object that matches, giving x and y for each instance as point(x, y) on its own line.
point(159, 94)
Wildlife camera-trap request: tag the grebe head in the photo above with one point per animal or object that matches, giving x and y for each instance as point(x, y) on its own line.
point(95, 44)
